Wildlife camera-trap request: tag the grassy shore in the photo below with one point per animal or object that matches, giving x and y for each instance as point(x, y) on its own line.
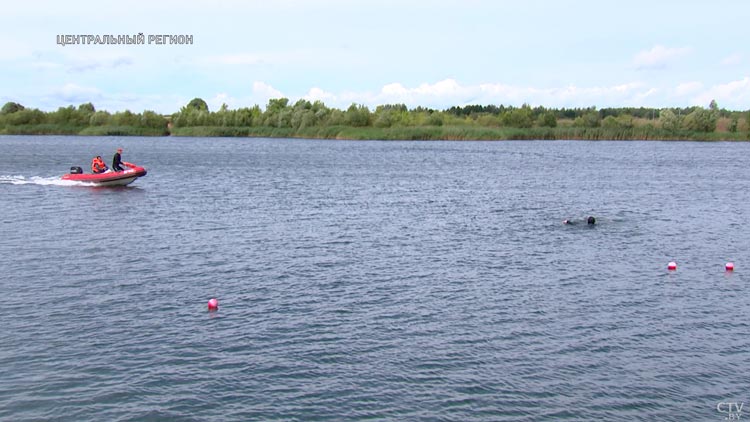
point(392, 133)
point(459, 133)
point(58, 129)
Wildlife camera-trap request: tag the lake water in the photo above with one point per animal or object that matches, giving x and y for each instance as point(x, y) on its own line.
point(398, 281)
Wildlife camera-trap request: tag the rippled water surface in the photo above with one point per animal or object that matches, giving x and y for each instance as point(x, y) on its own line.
point(395, 281)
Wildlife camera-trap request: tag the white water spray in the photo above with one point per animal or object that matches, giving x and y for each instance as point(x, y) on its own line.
point(37, 180)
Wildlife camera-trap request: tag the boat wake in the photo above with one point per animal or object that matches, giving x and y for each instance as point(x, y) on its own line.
point(37, 180)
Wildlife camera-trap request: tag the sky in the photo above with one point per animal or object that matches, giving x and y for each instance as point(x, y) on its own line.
point(436, 54)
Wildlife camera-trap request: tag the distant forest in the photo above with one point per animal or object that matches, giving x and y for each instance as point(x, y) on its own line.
point(391, 121)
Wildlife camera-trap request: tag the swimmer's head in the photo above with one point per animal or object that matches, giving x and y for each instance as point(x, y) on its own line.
point(591, 220)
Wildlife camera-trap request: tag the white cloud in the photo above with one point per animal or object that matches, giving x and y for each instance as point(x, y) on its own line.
point(263, 89)
point(79, 61)
point(688, 88)
point(75, 94)
point(733, 95)
point(72, 93)
point(732, 60)
point(298, 57)
point(658, 57)
point(262, 92)
point(13, 50)
point(214, 104)
point(317, 94)
point(46, 65)
point(439, 95)
point(641, 98)
point(449, 92)
point(235, 59)
point(97, 63)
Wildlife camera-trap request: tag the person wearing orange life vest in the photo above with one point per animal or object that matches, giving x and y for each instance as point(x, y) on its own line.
point(98, 166)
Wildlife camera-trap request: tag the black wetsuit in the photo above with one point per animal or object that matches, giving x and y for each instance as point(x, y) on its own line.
point(116, 161)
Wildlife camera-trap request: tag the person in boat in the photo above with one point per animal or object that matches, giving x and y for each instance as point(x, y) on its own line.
point(117, 161)
point(98, 166)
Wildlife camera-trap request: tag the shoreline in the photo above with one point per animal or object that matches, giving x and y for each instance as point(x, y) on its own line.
point(406, 133)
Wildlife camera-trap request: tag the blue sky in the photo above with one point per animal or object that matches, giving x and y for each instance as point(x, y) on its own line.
point(431, 53)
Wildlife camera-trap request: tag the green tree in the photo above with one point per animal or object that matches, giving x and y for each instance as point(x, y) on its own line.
point(610, 122)
point(518, 117)
point(277, 104)
point(336, 117)
point(245, 117)
point(383, 118)
point(303, 105)
point(733, 125)
point(99, 118)
point(26, 117)
point(11, 107)
point(125, 118)
point(435, 119)
point(700, 120)
point(278, 113)
point(668, 120)
point(242, 117)
point(151, 119)
point(546, 119)
point(68, 116)
point(197, 104)
point(358, 115)
point(86, 108)
point(591, 119)
point(489, 120)
point(302, 118)
point(626, 121)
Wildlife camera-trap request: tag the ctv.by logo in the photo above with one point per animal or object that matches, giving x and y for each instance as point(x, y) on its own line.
point(733, 410)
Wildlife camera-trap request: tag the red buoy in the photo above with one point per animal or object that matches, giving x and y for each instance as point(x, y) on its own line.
point(672, 266)
point(729, 266)
point(213, 304)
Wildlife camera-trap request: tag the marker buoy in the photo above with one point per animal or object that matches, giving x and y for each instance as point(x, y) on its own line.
point(729, 266)
point(213, 304)
point(672, 266)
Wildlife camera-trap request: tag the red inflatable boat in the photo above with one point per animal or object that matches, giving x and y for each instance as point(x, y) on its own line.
point(109, 178)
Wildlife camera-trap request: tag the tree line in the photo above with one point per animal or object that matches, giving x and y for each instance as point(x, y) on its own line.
point(281, 113)
point(302, 116)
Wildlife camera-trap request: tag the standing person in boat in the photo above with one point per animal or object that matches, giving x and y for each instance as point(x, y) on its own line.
point(98, 166)
point(117, 160)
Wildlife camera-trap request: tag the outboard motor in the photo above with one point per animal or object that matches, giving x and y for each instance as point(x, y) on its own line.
point(76, 170)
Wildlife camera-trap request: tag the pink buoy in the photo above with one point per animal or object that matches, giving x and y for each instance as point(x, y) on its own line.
point(672, 266)
point(729, 266)
point(213, 304)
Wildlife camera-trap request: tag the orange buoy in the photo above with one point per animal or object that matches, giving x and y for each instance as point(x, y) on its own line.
point(213, 304)
point(672, 266)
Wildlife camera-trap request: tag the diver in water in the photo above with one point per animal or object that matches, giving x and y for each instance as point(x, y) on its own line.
point(590, 221)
